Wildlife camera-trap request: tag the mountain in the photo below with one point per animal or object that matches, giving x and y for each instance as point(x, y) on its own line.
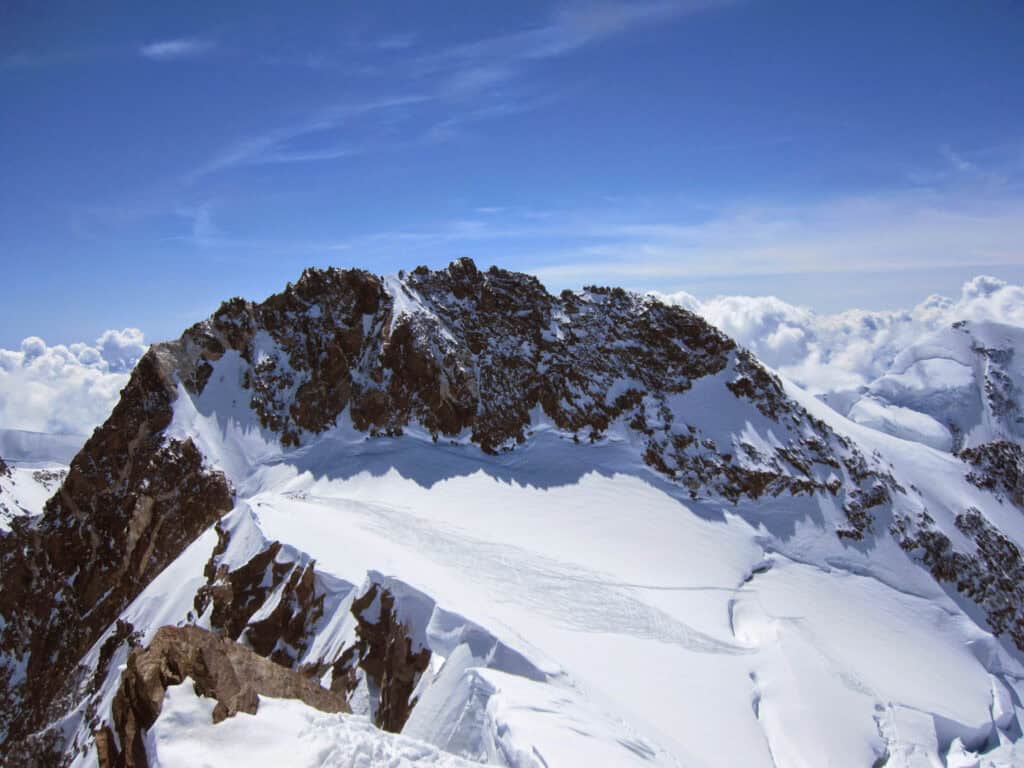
point(38, 448)
point(32, 466)
point(24, 490)
point(445, 517)
point(960, 387)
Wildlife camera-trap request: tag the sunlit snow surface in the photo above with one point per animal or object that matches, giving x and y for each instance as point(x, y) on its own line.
point(281, 733)
point(582, 611)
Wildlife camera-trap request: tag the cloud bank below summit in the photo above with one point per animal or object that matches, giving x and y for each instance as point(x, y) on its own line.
point(66, 389)
point(70, 389)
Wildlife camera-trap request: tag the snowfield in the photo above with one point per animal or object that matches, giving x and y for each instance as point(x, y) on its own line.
point(580, 612)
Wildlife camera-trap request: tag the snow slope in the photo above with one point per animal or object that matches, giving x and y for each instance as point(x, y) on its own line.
point(25, 490)
point(639, 628)
point(36, 464)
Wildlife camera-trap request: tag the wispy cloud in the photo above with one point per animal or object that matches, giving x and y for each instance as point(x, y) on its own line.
point(956, 160)
point(468, 68)
point(569, 28)
point(178, 48)
point(397, 42)
point(890, 231)
point(992, 167)
point(451, 89)
point(204, 231)
point(885, 232)
point(285, 145)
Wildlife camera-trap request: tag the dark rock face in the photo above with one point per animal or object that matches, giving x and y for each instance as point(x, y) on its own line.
point(1001, 393)
point(993, 576)
point(221, 669)
point(488, 348)
point(998, 467)
point(385, 652)
point(5, 471)
point(132, 501)
point(236, 595)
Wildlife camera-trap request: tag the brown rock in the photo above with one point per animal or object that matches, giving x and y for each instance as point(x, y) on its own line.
point(220, 668)
point(384, 651)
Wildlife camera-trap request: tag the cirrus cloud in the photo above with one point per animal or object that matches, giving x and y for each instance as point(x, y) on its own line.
point(179, 48)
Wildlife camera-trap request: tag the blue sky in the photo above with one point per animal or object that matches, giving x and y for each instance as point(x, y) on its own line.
point(834, 154)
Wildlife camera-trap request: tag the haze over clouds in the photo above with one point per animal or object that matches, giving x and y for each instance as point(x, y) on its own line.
point(67, 389)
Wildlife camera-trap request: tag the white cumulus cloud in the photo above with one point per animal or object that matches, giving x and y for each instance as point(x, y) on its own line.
point(67, 389)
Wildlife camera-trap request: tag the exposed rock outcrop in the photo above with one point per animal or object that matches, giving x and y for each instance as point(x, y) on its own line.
point(452, 349)
point(220, 668)
point(993, 576)
point(233, 596)
point(388, 655)
point(384, 650)
point(1001, 392)
point(998, 467)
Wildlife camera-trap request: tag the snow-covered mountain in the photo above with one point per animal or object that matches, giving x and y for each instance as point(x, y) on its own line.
point(25, 489)
point(960, 387)
point(32, 467)
point(38, 448)
point(511, 528)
